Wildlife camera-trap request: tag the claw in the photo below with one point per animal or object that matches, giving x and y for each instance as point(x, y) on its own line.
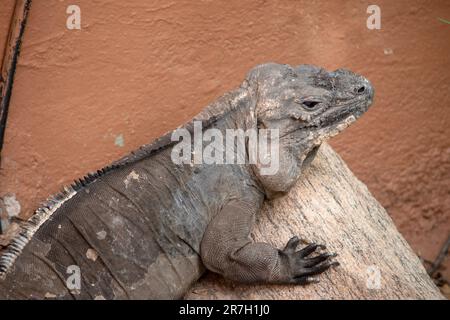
point(306, 280)
point(312, 279)
point(292, 245)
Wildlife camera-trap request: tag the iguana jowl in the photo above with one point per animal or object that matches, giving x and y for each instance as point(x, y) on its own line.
point(146, 227)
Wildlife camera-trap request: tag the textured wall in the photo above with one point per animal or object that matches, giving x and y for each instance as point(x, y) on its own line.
point(137, 69)
point(6, 8)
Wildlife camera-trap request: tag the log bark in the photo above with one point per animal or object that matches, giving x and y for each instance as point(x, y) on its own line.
point(330, 205)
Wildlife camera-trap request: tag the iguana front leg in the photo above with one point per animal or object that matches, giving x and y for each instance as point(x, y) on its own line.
point(227, 249)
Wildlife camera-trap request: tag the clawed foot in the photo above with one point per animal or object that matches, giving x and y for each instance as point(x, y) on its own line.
point(300, 268)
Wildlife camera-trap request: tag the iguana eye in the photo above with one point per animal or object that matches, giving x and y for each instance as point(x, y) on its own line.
point(310, 104)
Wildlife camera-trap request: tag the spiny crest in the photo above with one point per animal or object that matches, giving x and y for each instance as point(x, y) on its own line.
point(48, 207)
point(29, 227)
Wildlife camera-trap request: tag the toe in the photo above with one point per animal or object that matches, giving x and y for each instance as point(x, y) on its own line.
point(291, 245)
point(308, 250)
point(316, 260)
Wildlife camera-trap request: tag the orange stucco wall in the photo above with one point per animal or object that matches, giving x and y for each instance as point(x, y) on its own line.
point(136, 69)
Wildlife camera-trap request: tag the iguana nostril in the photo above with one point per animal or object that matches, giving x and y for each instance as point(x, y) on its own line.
point(361, 89)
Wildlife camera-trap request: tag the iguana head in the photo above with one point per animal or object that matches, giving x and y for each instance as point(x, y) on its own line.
point(308, 105)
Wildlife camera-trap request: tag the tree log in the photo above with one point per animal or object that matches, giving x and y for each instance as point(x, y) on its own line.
point(330, 205)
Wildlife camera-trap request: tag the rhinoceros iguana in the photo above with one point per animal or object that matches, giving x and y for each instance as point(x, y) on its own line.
point(146, 227)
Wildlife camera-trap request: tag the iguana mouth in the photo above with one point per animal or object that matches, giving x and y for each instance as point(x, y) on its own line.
point(330, 122)
point(327, 121)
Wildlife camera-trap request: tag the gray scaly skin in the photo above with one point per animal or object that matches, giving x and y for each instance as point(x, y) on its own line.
point(146, 228)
